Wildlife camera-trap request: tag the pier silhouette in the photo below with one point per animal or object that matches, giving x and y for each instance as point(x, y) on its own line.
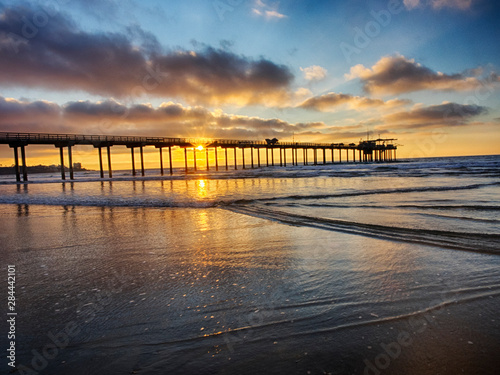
point(377, 150)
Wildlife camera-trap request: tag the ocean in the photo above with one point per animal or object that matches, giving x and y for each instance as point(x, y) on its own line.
point(380, 268)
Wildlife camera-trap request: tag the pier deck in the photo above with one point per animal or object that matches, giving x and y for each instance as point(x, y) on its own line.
point(371, 150)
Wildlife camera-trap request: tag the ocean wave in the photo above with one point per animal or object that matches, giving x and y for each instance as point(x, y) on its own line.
point(107, 202)
point(464, 218)
point(473, 207)
point(435, 307)
point(477, 242)
point(469, 207)
point(381, 191)
point(287, 200)
point(489, 293)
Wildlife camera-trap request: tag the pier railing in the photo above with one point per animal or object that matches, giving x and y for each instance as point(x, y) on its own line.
point(51, 138)
point(48, 138)
point(370, 150)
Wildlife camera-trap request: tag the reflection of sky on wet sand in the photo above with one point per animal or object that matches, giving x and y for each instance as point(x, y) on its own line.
point(212, 284)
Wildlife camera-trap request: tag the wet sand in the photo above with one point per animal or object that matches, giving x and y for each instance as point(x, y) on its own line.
point(209, 291)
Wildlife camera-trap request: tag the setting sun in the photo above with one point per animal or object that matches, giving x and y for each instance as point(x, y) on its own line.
point(200, 148)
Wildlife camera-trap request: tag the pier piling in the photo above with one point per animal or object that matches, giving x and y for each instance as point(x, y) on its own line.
point(23, 160)
point(194, 158)
point(142, 161)
point(185, 160)
point(16, 164)
point(100, 161)
point(110, 171)
point(70, 161)
point(133, 160)
point(378, 150)
point(161, 160)
point(170, 160)
point(216, 159)
point(61, 156)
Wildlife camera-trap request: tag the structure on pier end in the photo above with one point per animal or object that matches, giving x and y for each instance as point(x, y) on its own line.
point(379, 150)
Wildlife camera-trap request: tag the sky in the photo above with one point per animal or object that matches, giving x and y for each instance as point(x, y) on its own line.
point(423, 71)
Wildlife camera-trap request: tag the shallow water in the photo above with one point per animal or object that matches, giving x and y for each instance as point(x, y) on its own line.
point(270, 271)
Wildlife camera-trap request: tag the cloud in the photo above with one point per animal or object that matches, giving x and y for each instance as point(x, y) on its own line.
point(274, 14)
point(267, 11)
point(445, 114)
point(411, 4)
point(397, 74)
point(332, 100)
point(37, 116)
point(59, 56)
point(438, 4)
point(458, 4)
point(169, 119)
point(314, 73)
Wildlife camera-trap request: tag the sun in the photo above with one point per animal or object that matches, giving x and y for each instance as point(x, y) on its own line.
point(200, 148)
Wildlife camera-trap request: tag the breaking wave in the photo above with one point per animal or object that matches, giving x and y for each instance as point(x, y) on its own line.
point(478, 242)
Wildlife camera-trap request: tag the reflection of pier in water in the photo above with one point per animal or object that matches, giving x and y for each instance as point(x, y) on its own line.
point(378, 150)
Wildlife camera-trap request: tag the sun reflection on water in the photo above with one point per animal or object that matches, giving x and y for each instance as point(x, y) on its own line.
point(201, 189)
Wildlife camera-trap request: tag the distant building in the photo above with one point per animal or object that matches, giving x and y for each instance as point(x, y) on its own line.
point(77, 166)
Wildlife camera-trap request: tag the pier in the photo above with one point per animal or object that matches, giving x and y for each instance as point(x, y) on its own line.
point(254, 154)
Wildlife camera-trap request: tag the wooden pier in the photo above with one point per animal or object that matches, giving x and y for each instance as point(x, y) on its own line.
point(378, 150)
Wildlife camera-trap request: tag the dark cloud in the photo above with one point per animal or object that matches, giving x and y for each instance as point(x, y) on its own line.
point(13, 110)
point(57, 55)
point(145, 39)
point(332, 100)
point(106, 109)
point(397, 74)
point(226, 44)
point(110, 116)
point(446, 114)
